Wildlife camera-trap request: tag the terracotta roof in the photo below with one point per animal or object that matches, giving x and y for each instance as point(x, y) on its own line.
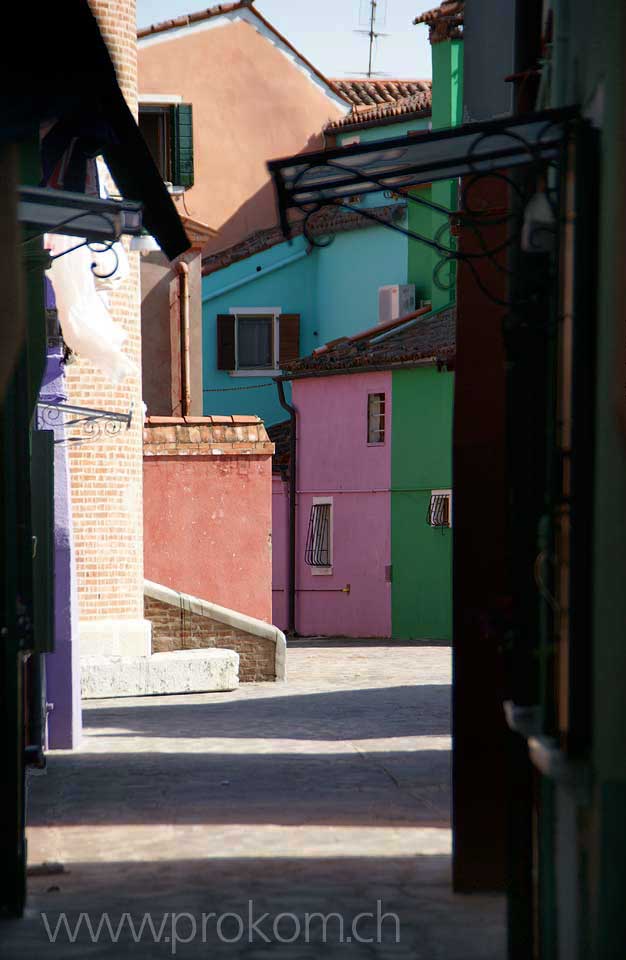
point(328, 220)
point(372, 93)
point(224, 8)
point(205, 436)
point(445, 22)
point(188, 18)
point(422, 336)
point(418, 105)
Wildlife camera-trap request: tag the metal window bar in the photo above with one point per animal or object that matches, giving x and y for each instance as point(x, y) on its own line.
point(317, 553)
point(439, 510)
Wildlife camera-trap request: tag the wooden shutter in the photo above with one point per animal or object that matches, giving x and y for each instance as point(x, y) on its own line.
point(225, 342)
point(289, 337)
point(181, 141)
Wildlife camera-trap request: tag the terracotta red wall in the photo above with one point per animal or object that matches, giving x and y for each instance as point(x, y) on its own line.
point(207, 514)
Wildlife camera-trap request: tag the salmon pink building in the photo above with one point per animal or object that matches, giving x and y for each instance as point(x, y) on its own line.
point(221, 91)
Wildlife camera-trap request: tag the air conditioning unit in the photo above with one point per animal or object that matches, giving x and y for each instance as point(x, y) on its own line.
point(395, 300)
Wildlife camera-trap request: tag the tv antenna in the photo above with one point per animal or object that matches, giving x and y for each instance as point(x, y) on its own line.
point(376, 15)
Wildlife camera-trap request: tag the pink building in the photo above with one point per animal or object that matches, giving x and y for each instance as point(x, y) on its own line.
point(372, 525)
point(349, 596)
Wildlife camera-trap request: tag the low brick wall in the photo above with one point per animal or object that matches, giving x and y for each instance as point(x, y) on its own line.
point(178, 628)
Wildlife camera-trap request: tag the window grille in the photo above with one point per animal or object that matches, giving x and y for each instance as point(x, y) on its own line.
point(440, 509)
point(317, 552)
point(376, 418)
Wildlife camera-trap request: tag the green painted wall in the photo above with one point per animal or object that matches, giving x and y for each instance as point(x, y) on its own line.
point(421, 461)
point(431, 274)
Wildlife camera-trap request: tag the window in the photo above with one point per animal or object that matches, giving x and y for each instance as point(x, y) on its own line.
point(257, 340)
point(440, 508)
point(376, 418)
point(168, 132)
point(319, 540)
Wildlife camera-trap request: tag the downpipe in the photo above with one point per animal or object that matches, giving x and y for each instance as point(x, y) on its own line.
point(293, 450)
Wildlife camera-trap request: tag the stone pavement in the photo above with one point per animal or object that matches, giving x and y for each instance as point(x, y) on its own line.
point(327, 794)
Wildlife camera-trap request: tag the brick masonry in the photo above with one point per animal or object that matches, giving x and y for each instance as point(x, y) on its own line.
point(176, 628)
point(106, 474)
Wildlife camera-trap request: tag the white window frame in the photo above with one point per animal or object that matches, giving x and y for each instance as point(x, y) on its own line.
point(376, 443)
point(326, 571)
point(258, 312)
point(441, 493)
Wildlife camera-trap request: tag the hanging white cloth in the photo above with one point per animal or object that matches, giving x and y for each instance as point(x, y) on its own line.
point(88, 328)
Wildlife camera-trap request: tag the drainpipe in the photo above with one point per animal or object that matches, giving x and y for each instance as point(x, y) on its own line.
point(183, 274)
point(292, 505)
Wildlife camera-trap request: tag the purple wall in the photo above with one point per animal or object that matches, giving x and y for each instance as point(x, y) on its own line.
point(335, 460)
point(62, 666)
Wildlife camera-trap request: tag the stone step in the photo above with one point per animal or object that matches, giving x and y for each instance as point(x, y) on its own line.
point(181, 671)
point(115, 638)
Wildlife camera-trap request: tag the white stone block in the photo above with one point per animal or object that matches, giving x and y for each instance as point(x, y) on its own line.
point(181, 671)
point(115, 638)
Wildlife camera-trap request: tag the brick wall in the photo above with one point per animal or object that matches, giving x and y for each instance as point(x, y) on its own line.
point(106, 474)
point(175, 628)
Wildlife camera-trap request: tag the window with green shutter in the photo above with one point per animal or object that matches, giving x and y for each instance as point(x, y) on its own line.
point(181, 142)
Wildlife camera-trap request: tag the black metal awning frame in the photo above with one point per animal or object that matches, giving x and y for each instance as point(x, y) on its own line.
point(93, 424)
point(309, 182)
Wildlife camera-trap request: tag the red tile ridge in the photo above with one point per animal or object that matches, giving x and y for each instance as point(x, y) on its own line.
point(163, 421)
point(331, 343)
point(185, 19)
point(382, 327)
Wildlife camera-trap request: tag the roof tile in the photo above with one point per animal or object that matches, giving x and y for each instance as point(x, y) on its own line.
point(445, 22)
point(417, 105)
point(420, 337)
point(371, 92)
point(328, 220)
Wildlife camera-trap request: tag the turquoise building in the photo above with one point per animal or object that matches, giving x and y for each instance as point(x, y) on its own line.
point(287, 298)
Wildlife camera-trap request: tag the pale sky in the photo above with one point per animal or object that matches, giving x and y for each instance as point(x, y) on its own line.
point(324, 32)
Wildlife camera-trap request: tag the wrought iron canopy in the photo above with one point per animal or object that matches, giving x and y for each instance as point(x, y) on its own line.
point(79, 215)
point(314, 180)
point(91, 424)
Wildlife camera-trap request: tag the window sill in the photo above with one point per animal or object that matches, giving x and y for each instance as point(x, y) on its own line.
point(255, 373)
point(322, 571)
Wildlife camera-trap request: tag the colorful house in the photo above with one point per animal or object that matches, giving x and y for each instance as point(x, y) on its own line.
point(220, 91)
point(373, 477)
point(292, 297)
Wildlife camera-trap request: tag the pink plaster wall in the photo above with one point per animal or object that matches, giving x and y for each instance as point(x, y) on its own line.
point(334, 459)
point(207, 523)
point(280, 552)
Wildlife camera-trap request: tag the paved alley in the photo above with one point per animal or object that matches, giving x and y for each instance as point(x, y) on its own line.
point(328, 794)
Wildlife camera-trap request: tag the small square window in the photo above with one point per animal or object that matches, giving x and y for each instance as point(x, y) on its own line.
point(440, 509)
point(376, 418)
